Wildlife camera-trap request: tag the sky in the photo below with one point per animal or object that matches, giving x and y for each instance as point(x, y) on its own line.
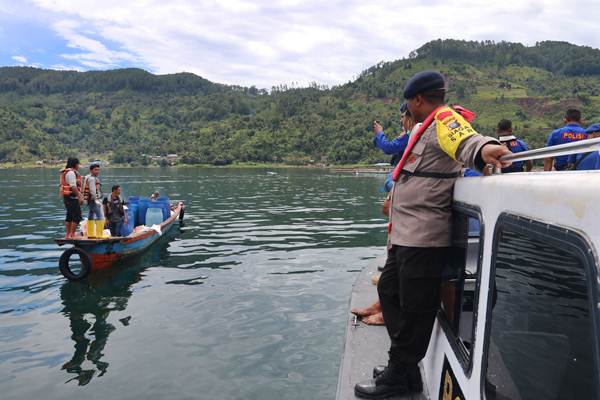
point(268, 42)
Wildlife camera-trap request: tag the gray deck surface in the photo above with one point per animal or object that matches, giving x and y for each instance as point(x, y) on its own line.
point(364, 346)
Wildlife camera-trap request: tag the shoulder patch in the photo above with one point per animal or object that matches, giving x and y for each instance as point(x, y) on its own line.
point(452, 129)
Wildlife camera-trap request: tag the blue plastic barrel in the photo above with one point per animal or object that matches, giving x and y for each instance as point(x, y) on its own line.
point(154, 216)
point(143, 205)
point(133, 202)
point(165, 204)
point(134, 213)
point(127, 229)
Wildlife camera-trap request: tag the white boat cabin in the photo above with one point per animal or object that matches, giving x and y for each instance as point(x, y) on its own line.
point(520, 308)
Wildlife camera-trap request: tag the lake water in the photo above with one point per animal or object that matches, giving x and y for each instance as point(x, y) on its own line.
point(247, 301)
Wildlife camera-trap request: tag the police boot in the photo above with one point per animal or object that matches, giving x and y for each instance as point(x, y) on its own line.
point(393, 381)
point(91, 229)
point(414, 377)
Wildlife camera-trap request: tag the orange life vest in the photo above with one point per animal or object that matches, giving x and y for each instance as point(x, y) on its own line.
point(86, 187)
point(65, 188)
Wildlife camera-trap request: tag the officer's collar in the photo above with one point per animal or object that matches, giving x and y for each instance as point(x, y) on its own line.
point(506, 138)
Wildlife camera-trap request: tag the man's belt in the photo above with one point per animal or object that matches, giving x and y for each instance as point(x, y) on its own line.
point(426, 174)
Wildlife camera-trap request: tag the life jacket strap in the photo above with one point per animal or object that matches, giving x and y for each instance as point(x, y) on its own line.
point(414, 138)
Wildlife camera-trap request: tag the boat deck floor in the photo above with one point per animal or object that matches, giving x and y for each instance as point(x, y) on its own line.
point(364, 346)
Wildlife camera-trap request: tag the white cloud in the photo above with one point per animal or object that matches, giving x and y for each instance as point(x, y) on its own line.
point(66, 67)
point(266, 43)
point(20, 59)
point(94, 53)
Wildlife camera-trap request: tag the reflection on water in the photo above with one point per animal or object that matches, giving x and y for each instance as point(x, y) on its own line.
point(88, 304)
point(248, 300)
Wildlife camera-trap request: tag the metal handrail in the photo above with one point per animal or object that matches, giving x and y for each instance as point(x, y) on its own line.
point(581, 146)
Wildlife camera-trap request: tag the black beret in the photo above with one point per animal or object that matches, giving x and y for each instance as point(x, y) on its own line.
point(422, 82)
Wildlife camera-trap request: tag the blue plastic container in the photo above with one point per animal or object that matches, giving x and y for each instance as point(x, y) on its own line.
point(134, 213)
point(134, 203)
point(166, 207)
point(154, 216)
point(143, 205)
point(165, 204)
point(127, 229)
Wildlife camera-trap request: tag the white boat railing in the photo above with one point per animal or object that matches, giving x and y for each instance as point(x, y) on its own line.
point(581, 146)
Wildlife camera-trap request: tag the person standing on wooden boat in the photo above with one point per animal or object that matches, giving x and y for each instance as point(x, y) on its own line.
point(115, 213)
point(70, 191)
point(571, 132)
point(92, 193)
point(515, 145)
point(420, 229)
point(590, 160)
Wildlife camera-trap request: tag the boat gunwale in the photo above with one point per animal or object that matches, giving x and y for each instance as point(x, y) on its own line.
point(125, 240)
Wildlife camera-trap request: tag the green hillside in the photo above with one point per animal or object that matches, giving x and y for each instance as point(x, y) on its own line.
point(124, 114)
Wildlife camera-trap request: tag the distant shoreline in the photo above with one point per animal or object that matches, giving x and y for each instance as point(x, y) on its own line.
point(7, 166)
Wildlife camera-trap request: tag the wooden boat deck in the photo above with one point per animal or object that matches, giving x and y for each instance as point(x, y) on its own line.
point(364, 346)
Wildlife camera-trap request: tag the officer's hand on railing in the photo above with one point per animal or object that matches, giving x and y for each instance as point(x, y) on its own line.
point(377, 128)
point(491, 153)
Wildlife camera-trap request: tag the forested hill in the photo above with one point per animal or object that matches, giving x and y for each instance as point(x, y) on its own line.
point(126, 114)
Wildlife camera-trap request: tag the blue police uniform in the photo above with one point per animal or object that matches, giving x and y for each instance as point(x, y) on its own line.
point(516, 146)
point(590, 160)
point(395, 146)
point(468, 172)
point(585, 161)
point(571, 132)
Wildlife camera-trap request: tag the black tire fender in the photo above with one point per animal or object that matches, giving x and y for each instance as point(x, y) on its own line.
point(86, 264)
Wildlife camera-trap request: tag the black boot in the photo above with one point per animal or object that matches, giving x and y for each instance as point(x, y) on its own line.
point(378, 370)
point(414, 377)
point(391, 382)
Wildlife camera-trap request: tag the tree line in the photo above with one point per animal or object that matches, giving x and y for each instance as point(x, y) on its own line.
point(129, 115)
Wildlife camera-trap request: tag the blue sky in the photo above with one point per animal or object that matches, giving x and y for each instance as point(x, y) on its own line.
point(265, 42)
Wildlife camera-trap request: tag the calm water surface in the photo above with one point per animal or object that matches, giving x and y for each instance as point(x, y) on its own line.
point(247, 301)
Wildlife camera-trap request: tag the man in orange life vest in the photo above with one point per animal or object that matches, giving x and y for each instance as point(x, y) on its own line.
point(70, 190)
point(420, 229)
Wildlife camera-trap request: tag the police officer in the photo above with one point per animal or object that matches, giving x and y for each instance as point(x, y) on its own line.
point(394, 147)
point(397, 145)
point(420, 229)
point(587, 161)
point(514, 144)
point(571, 132)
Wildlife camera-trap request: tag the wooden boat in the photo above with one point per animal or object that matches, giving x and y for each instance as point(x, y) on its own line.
point(96, 254)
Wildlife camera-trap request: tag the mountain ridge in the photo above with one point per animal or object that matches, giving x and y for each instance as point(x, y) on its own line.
point(129, 112)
